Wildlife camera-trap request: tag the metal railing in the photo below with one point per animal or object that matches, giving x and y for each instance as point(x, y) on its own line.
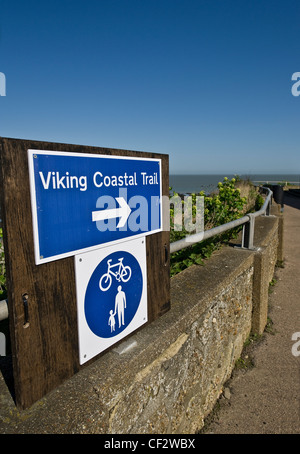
point(248, 222)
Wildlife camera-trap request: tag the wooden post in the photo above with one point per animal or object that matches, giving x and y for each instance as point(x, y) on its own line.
point(42, 298)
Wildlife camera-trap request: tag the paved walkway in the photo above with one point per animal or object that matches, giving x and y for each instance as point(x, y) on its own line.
point(265, 399)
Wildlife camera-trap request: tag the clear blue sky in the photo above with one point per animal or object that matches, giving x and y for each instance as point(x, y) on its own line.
point(206, 81)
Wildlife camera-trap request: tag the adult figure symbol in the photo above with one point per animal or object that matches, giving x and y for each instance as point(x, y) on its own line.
point(120, 305)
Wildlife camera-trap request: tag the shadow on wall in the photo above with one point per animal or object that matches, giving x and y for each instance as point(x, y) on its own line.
point(292, 198)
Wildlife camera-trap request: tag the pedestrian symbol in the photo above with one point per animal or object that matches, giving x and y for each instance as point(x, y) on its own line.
point(120, 305)
point(112, 299)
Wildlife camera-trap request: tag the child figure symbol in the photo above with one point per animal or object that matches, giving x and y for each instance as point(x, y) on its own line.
point(112, 321)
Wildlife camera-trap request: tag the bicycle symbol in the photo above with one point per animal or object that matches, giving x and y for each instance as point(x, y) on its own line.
point(123, 273)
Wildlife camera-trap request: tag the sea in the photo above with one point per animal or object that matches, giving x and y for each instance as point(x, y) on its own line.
point(186, 184)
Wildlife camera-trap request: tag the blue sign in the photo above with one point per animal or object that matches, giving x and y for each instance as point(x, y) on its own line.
point(113, 294)
point(83, 201)
point(111, 290)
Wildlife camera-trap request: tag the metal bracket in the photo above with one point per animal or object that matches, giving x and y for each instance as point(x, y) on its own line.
point(248, 233)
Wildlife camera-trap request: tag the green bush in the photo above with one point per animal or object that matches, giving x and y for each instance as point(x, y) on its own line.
point(225, 206)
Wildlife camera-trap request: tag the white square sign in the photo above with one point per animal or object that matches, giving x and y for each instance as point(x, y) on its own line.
point(111, 286)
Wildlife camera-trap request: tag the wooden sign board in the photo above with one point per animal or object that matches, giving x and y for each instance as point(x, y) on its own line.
point(42, 297)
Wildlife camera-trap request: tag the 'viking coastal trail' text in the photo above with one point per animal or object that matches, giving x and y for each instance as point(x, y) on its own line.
point(55, 180)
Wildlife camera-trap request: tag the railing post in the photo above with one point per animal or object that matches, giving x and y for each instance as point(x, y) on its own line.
point(269, 207)
point(267, 213)
point(248, 233)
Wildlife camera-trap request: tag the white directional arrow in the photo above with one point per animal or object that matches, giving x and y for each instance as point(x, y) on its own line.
point(123, 212)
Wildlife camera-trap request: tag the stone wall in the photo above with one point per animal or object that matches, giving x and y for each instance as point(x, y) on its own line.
point(167, 377)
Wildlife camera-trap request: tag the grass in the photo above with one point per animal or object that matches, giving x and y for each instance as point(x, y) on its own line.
point(272, 284)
